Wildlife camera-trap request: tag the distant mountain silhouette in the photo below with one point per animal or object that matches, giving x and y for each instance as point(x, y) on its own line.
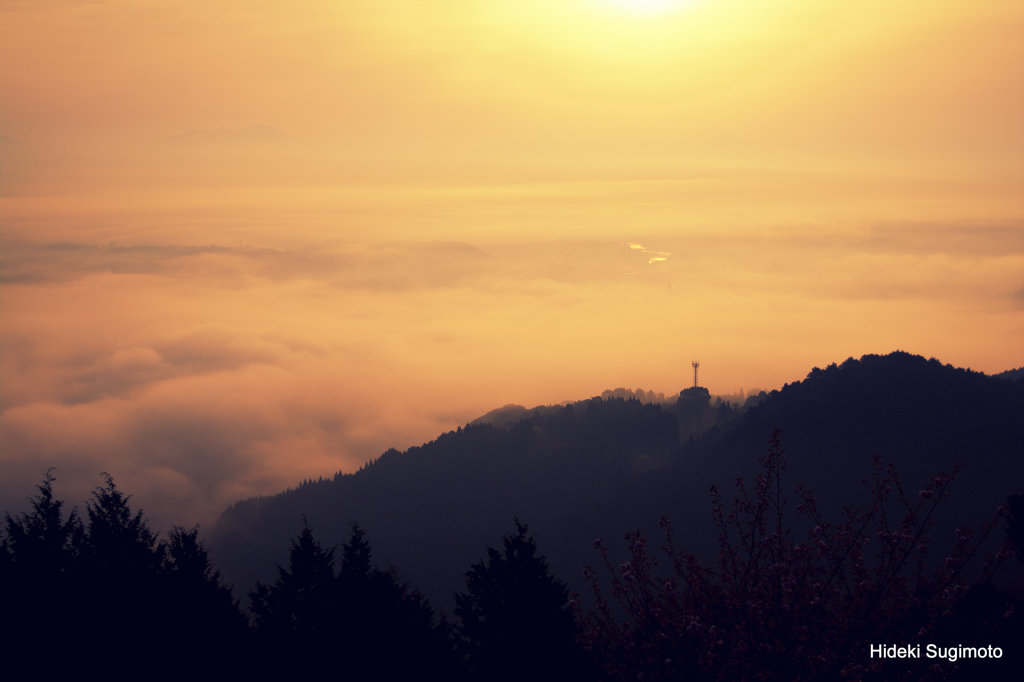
point(604, 467)
point(1012, 374)
point(509, 415)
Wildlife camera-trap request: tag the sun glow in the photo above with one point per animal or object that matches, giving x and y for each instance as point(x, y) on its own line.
point(647, 6)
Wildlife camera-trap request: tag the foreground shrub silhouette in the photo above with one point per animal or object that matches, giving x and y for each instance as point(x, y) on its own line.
point(799, 598)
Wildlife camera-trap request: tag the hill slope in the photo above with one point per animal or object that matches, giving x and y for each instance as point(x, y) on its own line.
point(605, 467)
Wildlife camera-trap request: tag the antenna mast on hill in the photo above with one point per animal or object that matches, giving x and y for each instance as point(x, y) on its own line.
point(695, 366)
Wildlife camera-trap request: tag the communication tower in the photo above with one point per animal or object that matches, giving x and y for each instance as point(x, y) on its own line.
point(695, 366)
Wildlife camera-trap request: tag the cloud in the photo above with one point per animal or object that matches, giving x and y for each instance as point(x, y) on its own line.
point(189, 445)
point(388, 265)
point(653, 257)
point(229, 312)
point(953, 240)
point(33, 263)
point(199, 373)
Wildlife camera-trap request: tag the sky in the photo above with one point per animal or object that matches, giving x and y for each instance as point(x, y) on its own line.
point(243, 244)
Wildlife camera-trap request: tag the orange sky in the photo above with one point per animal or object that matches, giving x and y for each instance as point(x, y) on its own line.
point(242, 245)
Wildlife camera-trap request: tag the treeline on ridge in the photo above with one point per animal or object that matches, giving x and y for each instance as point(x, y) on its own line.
point(601, 466)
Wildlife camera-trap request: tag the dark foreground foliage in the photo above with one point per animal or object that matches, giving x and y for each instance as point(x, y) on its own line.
point(357, 623)
point(793, 596)
point(796, 597)
point(516, 619)
point(106, 592)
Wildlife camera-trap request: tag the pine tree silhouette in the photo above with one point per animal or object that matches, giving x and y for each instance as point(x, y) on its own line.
point(515, 618)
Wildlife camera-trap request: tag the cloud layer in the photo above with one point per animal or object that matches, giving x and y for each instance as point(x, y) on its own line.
point(199, 374)
point(244, 246)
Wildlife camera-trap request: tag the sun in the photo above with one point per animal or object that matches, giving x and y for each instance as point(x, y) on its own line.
point(648, 7)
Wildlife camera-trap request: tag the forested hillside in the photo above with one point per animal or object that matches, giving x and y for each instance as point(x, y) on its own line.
point(873, 502)
point(601, 468)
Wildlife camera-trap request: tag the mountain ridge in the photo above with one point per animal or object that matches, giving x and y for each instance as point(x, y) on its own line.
point(606, 466)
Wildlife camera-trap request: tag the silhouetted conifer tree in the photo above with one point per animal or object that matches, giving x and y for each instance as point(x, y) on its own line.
point(298, 618)
point(39, 579)
point(356, 556)
point(159, 610)
point(119, 543)
point(200, 613)
point(121, 590)
point(389, 626)
point(303, 599)
point(43, 541)
point(374, 625)
point(516, 622)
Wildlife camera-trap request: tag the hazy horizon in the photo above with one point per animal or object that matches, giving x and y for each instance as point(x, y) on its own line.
point(242, 247)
